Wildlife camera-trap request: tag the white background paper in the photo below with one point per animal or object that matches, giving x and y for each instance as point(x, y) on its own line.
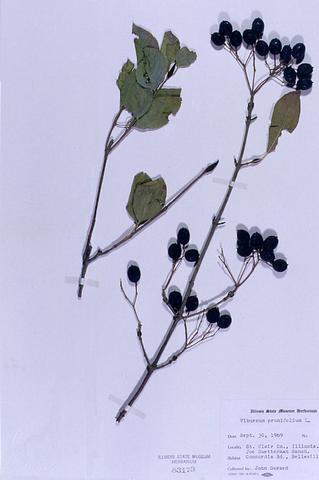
point(62, 358)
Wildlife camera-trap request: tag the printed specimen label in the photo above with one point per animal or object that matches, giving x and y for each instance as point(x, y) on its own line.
point(270, 439)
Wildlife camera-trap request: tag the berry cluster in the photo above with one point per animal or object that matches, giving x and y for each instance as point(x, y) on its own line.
point(213, 316)
point(299, 78)
point(302, 75)
point(178, 248)
point(176, 251)
point(175, 300)
point(248, 244)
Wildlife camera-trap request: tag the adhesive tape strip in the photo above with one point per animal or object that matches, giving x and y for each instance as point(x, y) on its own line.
point(128, 408)
point(223, 181)
point(83, 281)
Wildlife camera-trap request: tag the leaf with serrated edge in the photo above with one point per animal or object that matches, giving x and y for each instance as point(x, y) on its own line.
point(149, 199)
point(169, 48)
point(139, 178)
point(166, 102)
point(185, 57)
point(147, 38)
point(126, 69)
point(285, 117)
point(134, 98)
point(151, 69)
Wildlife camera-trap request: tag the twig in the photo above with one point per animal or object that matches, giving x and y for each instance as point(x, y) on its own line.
point(134, 230)
point(178, 353)
point(132, 303)
point(195, 337)
point(179, 315)
point(172, 272)
point(233, 289)
point(224, 262)
point(109, 147)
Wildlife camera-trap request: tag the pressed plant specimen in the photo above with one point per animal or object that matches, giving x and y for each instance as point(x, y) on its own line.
point(282, 64)
point(149, 104)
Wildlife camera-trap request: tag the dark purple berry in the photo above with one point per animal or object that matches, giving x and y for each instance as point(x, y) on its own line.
point(174, 251)
point(192, 303)
point(279, 265)
point(175, 300)
point(224, 321)
point(244, 250)
point(285, 54)
point(304, 70)
point(271, 242)
point(183, 236)
point(262, 48)
point(192, 255)
point(258, 26)
point(290, 75)
point(249, 37)
point(217, 39)
point(213, 315)
point(304, 84)
point(256, 241)
point(133, 273)
point(243, 237)
point(267, 256)
point(275, 46)
point(225, 28)
point(235, 38)
point(298, 52)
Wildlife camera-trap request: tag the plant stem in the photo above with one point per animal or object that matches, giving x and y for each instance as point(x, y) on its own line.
point(110, 144)
point(137, 229)
point(178, 316)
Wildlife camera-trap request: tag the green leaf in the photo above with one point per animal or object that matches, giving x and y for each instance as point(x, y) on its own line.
point(147, 199)
point(126, 69)
point(151, 68)
point(169, 48)
point(184, 57)
point(139, 45)
point(134, 98)
point(139, 178)
point(147, 38)
point(166, 102)
point(285, 117)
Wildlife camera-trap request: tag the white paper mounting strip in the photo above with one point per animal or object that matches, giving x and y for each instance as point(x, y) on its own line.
point(86, 281)
point(223, 181)
point(129, 409)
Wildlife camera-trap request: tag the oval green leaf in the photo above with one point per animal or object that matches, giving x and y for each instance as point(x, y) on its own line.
point(285, 117)
point(147, 198)
point(139, 178)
